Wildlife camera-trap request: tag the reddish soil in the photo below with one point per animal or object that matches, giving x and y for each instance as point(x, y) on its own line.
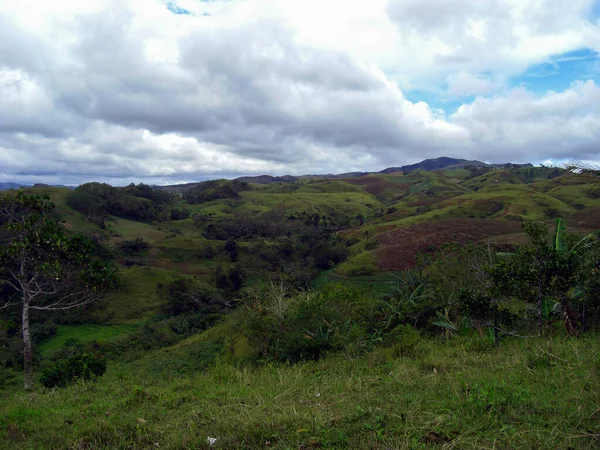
point(423, 200)
point(588, 218)
point(400, 247)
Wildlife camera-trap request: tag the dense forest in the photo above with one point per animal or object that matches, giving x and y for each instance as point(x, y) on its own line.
point(372, 311)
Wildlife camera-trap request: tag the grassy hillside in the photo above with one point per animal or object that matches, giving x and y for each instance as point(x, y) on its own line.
point(314, 314)
point(424, 394)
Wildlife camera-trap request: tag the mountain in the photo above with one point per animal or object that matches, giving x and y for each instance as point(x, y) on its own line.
point(267, 179)
point(7, 186)
point(433, 164)
point(443, 162)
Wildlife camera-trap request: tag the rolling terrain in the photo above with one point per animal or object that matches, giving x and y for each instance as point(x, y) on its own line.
point(343, 241)
point(391, 217)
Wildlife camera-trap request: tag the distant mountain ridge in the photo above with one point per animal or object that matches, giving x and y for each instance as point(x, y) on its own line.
point(7, 186)
point(443, 162)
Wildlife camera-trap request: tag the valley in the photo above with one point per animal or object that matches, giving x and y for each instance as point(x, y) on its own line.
point(379, 310)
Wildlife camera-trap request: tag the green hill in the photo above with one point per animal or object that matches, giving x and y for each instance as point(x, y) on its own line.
point(362, 312)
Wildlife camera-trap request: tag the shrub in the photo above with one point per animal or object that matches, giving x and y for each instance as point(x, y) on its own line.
point(405, 341)
point(42, 331)
point(186, 296)
point(136, 245)
point(65, 371)
point(134, 261)
point(179, 214)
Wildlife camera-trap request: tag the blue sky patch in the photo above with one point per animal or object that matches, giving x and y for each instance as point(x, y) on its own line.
point(595, 15)
point(171, 6)
point(561, 71)
point(438, 100)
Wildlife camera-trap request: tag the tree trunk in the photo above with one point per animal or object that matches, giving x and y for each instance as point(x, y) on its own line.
point(27, 349)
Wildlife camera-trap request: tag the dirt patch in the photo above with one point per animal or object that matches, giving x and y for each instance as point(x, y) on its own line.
point(400, 247)
point(376, 186)
point(588, 218)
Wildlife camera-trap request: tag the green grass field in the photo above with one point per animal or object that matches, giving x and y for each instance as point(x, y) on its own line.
point(138, 299)
point(84, 333)
point(428, 392)
point(463, 393)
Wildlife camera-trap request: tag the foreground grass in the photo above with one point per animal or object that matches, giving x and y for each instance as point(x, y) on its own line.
point(84, 333)
point(457, 394)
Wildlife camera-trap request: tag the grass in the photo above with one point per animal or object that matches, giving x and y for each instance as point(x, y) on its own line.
point(331, 204)
point(137, 301)
point(130, 229)
point(457, 393)
point(85, 333)
point(362, 264)
point(74, 220)
point(539, 393)
point(379, 284)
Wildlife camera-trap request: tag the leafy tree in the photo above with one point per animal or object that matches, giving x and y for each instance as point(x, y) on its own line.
point(186, 296)
point(44, 269)
point(135, 202)
point(207, 191)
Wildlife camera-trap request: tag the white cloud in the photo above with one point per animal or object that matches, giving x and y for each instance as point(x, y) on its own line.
point(464, 84)
point(523, 126)
point(126, 89)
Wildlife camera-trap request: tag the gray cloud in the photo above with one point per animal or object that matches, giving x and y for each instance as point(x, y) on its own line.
point(126, 93)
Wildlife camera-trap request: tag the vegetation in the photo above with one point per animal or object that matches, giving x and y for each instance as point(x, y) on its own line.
point(453, 308)
point(42, 268)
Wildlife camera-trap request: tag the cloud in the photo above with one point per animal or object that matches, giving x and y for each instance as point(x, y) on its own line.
point(463, 84)
point(522, 126)
point(130, 90)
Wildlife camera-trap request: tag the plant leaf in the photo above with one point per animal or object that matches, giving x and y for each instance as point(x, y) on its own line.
point(445, 325)
point(560, 243)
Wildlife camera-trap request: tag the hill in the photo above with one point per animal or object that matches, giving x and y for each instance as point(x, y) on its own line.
point(426, 165)
point(324, 312)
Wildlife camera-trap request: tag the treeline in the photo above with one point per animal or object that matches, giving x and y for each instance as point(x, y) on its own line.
point(549, 286)
point(299, 247)
point(524, 173)
point(214, 190)
point(135, 202)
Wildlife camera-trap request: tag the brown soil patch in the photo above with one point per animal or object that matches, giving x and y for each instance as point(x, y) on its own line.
point(588, 218)
point(400, 247)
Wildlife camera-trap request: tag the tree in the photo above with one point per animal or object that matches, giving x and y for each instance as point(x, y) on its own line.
point(45, 269)
point(545, 272)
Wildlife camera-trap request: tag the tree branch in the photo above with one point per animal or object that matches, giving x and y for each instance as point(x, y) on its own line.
point(6, 305)
point(58, 307)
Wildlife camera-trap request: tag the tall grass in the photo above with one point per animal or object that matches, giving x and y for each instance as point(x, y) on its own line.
point(460, 393)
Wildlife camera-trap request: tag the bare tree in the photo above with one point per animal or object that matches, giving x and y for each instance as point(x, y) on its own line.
point(45, 269)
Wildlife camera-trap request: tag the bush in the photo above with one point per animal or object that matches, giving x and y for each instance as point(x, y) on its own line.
point(136, 245)
point(336, 319)
point(404, 341)
point(42, 331)
point(187, 296)
point(180, 214)
point(65, 371)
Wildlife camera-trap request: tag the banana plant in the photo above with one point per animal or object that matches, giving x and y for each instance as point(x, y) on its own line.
point(569, 256)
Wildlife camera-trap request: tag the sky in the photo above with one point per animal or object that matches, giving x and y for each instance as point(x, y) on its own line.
point(163, 92)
